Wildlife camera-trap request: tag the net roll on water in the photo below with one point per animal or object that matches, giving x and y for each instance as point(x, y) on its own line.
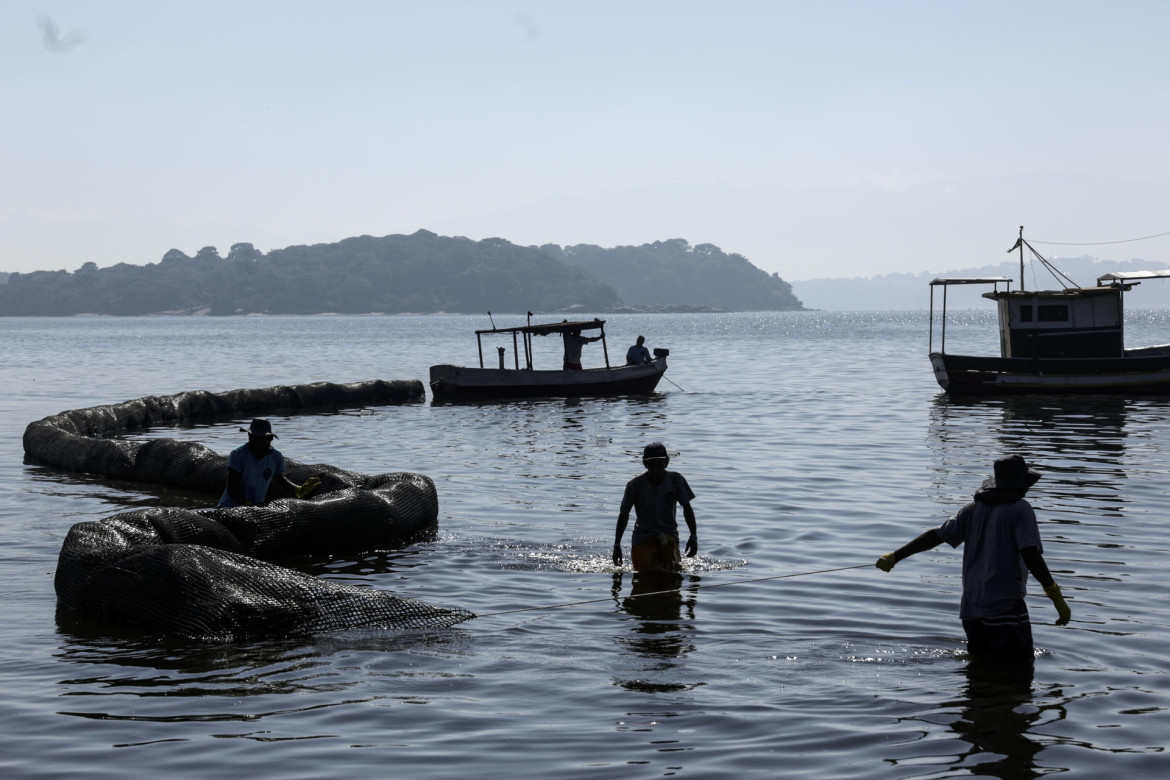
point(211, 574)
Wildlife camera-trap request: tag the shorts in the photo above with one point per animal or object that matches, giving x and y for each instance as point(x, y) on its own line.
point(573, 367)
point(658, 553)
point(1007, 638)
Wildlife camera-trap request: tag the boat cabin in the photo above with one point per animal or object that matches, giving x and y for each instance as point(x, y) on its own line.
point(1084, 322)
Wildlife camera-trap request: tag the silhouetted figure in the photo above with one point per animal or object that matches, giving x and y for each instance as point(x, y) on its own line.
point(999, 532)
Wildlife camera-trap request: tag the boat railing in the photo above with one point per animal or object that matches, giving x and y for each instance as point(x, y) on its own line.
point(945, 283)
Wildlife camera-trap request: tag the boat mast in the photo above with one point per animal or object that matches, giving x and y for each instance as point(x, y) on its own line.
point(1020, 244)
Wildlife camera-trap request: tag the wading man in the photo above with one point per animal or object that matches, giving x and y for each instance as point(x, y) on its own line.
point(654, 496)
point(1001, 544)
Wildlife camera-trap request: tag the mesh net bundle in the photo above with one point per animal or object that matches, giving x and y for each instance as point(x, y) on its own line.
point(211, 574)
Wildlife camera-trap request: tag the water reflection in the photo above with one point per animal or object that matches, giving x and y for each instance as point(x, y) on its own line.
point(108, 678)
point(1079, 442)
point(996, 718)
point(665, 609)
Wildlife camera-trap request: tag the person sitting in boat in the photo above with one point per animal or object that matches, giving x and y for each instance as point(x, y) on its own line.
point(573, 343)
point(654, 496)
point(253, 466)
point(638, 354)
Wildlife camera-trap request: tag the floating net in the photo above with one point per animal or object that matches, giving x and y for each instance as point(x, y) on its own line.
point(211, 574)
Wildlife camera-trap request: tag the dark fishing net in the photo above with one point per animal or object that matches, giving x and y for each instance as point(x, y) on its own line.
point(210, 573)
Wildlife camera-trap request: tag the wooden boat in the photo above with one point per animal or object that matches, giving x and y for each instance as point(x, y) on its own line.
point(1067, 340)
point(523, 381)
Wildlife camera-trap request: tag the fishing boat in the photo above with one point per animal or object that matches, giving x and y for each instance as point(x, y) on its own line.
point(522, 380)
point(1066, 340)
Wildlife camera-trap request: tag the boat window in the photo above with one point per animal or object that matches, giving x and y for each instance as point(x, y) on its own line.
point(1026, 313)
point(1053, 312)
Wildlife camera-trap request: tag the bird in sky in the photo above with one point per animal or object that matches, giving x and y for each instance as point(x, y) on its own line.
point(54, 41)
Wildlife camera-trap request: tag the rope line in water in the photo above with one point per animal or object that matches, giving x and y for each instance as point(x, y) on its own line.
point(678, 590)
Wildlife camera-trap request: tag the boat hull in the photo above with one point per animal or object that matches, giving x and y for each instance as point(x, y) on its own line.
point(1139, 371)
point(467, 383)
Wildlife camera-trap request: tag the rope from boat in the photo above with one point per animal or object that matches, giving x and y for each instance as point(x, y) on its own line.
point(1098, 243)
point(676, 590)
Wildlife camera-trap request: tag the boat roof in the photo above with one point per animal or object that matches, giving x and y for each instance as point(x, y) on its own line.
point(1071, 292)
point(973, 280)
point(549, 327)
point(1130, 276)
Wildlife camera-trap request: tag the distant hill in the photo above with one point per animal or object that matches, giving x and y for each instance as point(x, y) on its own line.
point(674, 273)
point(420, 273)
point(907, 291)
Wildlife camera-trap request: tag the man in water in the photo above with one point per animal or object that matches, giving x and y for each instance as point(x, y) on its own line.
point(638, 354)
point(253, 466)
point(573, 343)
point(1002, 546)
point(654, 496)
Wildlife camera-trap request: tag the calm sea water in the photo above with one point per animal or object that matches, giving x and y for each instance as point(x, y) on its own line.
point(814, 442)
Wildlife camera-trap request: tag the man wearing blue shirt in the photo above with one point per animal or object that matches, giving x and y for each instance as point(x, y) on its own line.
point(1001, 544)
point(253, 466)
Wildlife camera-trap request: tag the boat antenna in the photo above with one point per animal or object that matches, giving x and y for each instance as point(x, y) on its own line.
point(1057, 274)
point(493, 322)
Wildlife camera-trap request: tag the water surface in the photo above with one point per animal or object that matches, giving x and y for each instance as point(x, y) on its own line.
point(814, 442)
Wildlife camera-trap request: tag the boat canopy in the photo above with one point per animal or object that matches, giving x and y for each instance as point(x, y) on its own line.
point(522, 338)
point(973, 280)
point(549, 327)
point(1133, 276)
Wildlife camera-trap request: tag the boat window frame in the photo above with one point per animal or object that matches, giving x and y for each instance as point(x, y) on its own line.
point(995, 281)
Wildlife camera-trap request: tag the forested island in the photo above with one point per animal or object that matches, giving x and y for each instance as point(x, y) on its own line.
point(419, 273)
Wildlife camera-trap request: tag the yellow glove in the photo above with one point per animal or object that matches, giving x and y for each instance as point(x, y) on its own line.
point(1063, 613)
point(886, 562)
point(310, 485)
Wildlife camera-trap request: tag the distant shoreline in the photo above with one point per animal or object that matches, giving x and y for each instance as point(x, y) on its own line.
point(205, 311)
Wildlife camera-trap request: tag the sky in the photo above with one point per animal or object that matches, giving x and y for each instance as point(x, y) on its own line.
point(818, 138)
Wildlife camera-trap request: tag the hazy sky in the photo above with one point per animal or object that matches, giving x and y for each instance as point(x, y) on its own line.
point(816, 138)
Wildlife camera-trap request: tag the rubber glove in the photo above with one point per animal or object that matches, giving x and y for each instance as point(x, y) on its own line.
point(310, 485)
point(1063, 613)
point(692, 547)
point(886, 562)
point(617, 555)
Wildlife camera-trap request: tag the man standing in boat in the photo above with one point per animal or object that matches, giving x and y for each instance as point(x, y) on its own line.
point(253, 466)
point(654, 496)
point(573, 343)
point(1001, 544)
